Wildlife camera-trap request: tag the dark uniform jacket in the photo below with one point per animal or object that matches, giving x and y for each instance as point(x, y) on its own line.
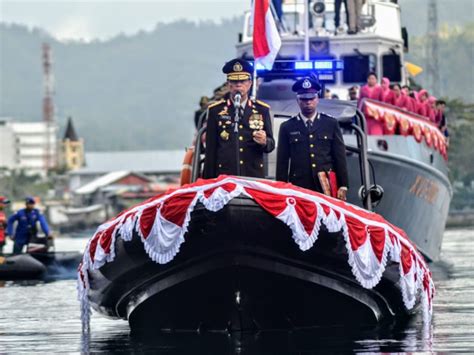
point(303, 153)
point(225, 148)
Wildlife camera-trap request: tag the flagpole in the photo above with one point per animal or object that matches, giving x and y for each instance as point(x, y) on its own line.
point(306, 30)
point(254, 81)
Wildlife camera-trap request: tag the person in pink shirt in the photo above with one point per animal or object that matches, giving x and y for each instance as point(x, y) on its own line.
point(371, 90)
point(387, 94)
point(399, 99)
point(423, 108)
point(409, 102)
point(432, 112)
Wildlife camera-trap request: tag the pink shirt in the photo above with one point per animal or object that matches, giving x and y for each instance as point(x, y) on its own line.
point(374, 92)
point(422, 108)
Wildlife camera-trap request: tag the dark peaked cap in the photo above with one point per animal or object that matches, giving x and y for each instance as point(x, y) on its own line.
point(238, 69)
point(306, 88)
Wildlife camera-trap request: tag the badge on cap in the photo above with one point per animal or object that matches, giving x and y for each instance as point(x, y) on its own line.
point(306, 84)
point(237, 67)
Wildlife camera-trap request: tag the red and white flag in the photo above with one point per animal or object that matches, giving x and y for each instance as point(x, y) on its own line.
point(266, 39)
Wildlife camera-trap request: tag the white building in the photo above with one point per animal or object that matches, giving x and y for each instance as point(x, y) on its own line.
point(28, 146)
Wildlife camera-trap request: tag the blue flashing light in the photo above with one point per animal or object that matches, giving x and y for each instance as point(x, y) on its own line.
point(258, 66)
point(323, 65)
point(303, 65)
point(326, 77)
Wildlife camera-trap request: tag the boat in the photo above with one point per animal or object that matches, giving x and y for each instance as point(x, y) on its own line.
point(240, 268)
point(40, 262)
point(21, 267)
point(236, 254)
point(409, 169)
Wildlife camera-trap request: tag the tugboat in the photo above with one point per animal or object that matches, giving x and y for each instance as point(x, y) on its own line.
point(236, 254)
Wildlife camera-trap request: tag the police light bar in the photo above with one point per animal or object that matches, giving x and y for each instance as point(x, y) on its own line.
point(299, 68)
point(319, 65)
point(328, 65)
point(303, 65)
point(323, 65)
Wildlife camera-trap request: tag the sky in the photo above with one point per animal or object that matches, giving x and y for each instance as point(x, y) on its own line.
point(102, 19)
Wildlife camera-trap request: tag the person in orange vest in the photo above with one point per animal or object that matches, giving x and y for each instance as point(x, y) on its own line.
point(3, 222)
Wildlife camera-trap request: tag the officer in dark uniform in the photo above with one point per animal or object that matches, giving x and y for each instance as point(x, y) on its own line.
point(311, 142)
point(239, 130)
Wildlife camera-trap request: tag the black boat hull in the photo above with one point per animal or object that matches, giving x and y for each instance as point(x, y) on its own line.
point(239, 269)
point(43, 265)
point(21, 267)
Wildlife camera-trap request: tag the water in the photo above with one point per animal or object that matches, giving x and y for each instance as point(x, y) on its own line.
point(44, 317)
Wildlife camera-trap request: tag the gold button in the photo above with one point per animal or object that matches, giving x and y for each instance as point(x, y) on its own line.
point(313, 165)
point(241, 162)
point(310, 136)
point(241, 126)
point(220, 165)
point(223, 126)
point(311, 145)
point(312, 155)
point(241, 138)
point(296, 140)
point(261, 165)
point(241, 150)
point(325, 137)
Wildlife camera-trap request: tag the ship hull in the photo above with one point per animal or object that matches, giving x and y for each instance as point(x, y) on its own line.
point(416, 198)
point(240, 270)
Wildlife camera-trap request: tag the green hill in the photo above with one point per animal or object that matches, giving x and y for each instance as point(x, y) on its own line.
point(126, 93)
point(140, 91)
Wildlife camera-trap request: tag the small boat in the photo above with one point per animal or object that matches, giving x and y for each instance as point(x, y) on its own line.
point(40, 262)
point(258, 255)
point(21, 267)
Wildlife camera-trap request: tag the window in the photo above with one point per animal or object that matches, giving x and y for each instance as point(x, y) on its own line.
point(356, 67)
point(391, 66)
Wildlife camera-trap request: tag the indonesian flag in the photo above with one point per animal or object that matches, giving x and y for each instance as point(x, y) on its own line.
point(266, 39)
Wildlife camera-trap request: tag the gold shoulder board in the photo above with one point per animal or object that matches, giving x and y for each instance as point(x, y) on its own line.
point(263, 104)
point(215, 103)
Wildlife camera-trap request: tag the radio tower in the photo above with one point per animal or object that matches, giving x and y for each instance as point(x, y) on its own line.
point(432, 48)
point(48, 106)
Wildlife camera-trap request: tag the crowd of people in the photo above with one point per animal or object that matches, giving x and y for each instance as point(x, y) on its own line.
point(418, 102)
point(311, 152)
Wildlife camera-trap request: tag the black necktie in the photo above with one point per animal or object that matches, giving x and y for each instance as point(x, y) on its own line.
point(309, 124)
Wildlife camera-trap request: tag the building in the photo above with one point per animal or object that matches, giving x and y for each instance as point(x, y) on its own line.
point(109, 185)
point(157, 164)
point(28, 146)
point(72, 149)
point(8, 156)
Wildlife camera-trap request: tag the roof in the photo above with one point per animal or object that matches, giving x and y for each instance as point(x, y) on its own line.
point(70, 132)
point(103, 181)
point(148, 161)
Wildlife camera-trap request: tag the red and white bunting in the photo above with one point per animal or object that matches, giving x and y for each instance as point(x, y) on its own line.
point(162, 222)
point(408, 123)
